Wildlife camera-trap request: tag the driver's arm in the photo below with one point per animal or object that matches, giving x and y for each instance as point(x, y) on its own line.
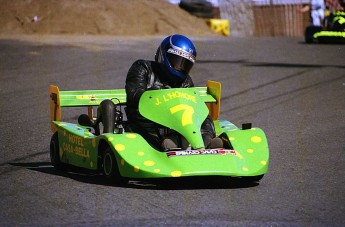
point(136, 82)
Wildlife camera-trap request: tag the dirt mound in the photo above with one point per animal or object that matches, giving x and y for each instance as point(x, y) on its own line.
point(98, 17)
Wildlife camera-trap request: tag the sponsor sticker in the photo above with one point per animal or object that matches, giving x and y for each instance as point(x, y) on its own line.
point(182, 53)
point(220, 151)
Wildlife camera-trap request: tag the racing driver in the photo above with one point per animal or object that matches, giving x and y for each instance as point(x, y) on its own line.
point(174, 59)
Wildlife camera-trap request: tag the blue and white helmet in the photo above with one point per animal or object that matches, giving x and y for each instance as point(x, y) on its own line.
point(177, 53)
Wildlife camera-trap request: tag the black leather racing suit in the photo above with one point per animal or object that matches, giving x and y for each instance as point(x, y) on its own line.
point(150, 75)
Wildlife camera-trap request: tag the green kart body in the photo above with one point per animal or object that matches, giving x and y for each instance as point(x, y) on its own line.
point(245, 152)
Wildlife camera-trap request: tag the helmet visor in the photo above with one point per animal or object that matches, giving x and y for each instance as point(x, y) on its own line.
point(180, 63)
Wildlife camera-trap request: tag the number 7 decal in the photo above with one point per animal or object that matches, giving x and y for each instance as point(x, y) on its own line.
point(187, 114)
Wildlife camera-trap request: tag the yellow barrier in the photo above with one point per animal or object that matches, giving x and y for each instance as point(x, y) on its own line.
point(221, 26)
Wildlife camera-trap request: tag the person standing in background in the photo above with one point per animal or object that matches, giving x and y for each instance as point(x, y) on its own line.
point(317, 11)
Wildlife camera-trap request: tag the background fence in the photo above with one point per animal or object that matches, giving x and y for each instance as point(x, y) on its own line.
point(279, 20)
point(248, 19)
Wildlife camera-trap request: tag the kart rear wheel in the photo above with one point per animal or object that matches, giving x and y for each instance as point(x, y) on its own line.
point(110, 168)
point(54, 152)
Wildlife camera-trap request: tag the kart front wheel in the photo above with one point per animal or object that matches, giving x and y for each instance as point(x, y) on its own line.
point(309, 33)
point(110, 168)
point(54, 152)
point(246, 180)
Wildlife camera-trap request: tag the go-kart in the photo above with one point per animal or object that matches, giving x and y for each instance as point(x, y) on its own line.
point(124, 154)
point(332, 32)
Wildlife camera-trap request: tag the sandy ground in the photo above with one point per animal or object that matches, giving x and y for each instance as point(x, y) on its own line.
point(98, 17)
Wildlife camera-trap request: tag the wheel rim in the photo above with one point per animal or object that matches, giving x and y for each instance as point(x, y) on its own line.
point(107, 164)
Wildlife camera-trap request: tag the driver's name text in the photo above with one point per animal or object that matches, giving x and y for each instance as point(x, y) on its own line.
point(175, 95)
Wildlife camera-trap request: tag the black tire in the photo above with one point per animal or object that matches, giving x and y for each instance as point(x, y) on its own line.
point(309, 33)
point(248, 180)
point(54, 152)
point(199, 8)
point(110, 168)
point(254, 179)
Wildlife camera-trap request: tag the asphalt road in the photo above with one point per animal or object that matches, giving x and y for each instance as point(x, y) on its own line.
point(293, 91)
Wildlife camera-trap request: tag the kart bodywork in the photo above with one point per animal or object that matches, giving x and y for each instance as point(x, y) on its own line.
point(125, 154)
point(332, 32)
